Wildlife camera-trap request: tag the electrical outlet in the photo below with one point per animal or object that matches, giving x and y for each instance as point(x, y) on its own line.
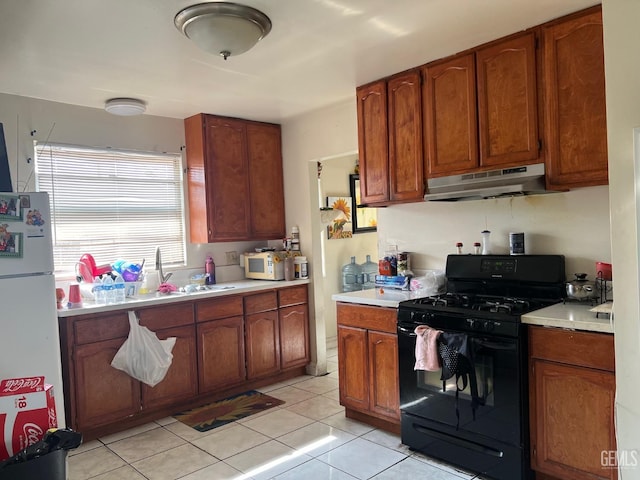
point(232, 258)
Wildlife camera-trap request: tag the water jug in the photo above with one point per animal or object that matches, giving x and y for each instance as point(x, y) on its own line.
point(351, 276)
point(369, 272)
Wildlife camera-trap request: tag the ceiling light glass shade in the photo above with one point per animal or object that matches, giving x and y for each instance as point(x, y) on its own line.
point(125, 106)
point(223, 28)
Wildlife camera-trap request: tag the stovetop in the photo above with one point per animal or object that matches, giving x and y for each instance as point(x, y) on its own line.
point(482, 303)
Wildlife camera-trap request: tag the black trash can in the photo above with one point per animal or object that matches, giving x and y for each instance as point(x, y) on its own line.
point(46, 459)
point(52, 466)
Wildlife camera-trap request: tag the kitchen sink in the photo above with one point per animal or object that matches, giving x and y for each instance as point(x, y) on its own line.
point(195, 289)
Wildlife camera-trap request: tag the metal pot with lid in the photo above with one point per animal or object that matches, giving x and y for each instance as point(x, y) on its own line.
point(580, 288)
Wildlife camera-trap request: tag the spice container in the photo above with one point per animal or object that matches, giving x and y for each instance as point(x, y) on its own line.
point(459, 248)
point(477, 248)
point(301, 267)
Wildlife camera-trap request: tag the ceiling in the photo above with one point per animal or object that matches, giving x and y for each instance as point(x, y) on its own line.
point(83, 52)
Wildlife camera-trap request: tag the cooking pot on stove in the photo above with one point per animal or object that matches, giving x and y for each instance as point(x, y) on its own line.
point(581, 288)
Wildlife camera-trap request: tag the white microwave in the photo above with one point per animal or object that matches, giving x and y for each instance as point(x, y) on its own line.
point(264, 265)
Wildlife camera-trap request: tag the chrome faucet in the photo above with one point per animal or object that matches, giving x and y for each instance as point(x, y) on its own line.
point(162, 278)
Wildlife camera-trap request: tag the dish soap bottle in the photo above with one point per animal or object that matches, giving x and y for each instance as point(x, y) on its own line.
point(209, 271)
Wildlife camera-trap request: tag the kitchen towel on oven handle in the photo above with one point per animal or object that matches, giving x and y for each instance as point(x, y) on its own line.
point(458, 360)
point(427, 357)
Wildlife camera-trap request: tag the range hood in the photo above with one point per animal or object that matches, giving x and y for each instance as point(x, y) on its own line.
point(525, 180)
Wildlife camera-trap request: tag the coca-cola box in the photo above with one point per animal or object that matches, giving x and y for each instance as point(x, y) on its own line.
point(27, 411)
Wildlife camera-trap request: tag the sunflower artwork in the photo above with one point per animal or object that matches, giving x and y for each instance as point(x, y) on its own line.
point(342, 226)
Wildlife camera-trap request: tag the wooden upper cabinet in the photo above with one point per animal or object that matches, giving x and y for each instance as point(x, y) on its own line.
point(234, 176)
point(266, 182)
point(575, 109)
point(390, 140)
point(373, 142)
point(227, 174)
point(450, 116)
point(507, 102)
point(405, 138)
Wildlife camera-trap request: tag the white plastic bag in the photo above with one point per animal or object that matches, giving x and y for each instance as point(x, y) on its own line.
point(142, 355)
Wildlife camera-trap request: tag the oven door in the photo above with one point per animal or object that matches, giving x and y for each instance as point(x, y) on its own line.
point(497, 411)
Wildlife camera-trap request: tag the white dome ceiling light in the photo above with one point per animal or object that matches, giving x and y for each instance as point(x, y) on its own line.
point(223, 28)
point(125, 106)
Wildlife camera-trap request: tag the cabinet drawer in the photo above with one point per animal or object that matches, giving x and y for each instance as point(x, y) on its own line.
point(292, 296)
point(260, 302)
point(218, 308)
point(363, 316)
point(168, 316)
point(97, 328)
point(586, 349)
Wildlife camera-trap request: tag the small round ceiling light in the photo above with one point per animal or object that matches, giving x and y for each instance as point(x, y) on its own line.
point(125, 106)
point(223, 28)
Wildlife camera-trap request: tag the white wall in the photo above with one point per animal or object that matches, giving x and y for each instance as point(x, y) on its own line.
point(61, 123)
point(621, 41)
point(327, 133)
point(574, 224)
point(334, 181)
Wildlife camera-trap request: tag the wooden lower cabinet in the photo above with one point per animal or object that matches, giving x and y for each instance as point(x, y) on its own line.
point(220, 354)
point(294, 336)
point(353, 368)
point(384, 390)
point(263, 344)
point(572, 396)
point(220, 350)
point(368, 364)
point(102, 393)
point(181, 380)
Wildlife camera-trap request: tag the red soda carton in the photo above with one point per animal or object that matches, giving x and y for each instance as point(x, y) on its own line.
point(27, 411)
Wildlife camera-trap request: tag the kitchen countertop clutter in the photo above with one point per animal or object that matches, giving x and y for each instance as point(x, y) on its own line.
point(151, 299)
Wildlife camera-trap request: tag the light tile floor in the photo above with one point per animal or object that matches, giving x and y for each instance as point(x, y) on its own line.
point(308, 437)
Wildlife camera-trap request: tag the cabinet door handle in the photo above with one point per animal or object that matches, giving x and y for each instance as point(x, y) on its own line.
point(289, 314)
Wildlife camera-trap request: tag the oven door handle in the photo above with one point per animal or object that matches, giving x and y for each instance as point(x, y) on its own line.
point(406, 331)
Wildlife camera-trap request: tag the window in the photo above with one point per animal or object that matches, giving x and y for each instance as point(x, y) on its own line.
point(113, 204)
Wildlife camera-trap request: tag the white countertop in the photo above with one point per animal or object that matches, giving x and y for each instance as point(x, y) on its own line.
point(390, 298)
point(241, 286)
point(572, 315)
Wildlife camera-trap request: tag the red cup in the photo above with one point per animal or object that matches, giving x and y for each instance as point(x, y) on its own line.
point(75, 300)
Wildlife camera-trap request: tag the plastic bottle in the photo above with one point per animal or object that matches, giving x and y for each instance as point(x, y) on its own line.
point(486, 242)
point(109, 290)
point(119, 289)
point(351, 276)
point(295, 239)
point(301, 267)
point(98, 292)
point(209, 271)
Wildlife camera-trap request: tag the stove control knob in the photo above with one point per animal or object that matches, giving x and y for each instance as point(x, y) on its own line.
point(472, 322)
point(488, 326)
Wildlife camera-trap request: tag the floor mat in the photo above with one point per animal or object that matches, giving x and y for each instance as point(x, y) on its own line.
point(219, 413)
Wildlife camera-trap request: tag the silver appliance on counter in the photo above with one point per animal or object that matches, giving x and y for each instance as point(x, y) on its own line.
point(524, 180)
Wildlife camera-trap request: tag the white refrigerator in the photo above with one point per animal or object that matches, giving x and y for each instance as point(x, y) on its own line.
point(29, 338)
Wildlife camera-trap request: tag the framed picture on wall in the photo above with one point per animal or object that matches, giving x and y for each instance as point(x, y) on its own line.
point(365, 219)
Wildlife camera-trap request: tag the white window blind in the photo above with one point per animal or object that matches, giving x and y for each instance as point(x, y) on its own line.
point(113, 204)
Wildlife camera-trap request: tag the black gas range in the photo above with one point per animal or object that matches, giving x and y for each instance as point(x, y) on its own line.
point(473, 413)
